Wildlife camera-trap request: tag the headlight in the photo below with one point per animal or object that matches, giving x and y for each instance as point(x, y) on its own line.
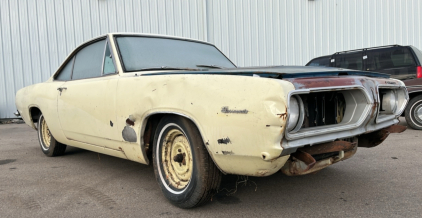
point(389, 102)
point(295, 115)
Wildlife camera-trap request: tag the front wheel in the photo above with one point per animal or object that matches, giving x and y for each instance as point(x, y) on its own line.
point(183, 168)
point(48, 143)
point(413, 113)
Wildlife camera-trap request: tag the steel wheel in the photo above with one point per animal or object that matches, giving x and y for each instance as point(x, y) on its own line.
point(183, 168)
point(46, 135)
point(177, 157)
point(48, 143)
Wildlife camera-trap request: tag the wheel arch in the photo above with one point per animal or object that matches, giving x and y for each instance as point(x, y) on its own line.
point(414, 94)
point(34, 115)
point(149, 126)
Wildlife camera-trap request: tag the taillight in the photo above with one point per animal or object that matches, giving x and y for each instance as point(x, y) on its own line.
point(418, 72)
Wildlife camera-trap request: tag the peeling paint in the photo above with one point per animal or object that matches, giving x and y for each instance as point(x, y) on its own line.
point(224, 141)
point(129, 134)
point(227, 152)
point(263, 172)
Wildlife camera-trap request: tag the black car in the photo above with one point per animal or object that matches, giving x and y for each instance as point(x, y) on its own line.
point(401, 62)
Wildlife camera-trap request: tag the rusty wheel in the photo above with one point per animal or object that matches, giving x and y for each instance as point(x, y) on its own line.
point(177, 159)
point(183, 168)
point(48, 143)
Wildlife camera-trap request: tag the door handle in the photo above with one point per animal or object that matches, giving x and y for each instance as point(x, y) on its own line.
point(61, 89)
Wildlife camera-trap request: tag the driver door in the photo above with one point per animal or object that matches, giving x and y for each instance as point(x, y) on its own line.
point(86, 103)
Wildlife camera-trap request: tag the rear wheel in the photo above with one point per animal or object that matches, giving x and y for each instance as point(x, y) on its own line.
point(48, 143)
point(413, 113)
point(183, 168)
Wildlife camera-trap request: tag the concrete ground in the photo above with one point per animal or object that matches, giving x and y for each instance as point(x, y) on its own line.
point(384, 181)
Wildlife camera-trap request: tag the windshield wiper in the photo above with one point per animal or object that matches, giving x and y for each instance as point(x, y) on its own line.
point(210, 66)
point(167, 68)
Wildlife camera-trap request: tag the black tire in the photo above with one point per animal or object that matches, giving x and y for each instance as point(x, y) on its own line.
point(49, 145)
point(413, 113)
point(187, 176)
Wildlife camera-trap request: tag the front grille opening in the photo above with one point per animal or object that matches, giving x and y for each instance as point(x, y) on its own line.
point(323, 108)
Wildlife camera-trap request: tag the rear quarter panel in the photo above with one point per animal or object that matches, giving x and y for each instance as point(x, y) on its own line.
point(44, 97)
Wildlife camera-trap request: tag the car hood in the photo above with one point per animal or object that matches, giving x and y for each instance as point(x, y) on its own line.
point(280, 72)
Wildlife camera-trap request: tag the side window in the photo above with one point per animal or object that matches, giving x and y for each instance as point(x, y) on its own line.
point(324, 61)
point(66, 72)
point(350, 60)
point(108, 67)
point(388, 58)
point(88, 61)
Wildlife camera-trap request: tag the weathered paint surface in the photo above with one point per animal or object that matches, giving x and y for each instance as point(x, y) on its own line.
point(241, 119)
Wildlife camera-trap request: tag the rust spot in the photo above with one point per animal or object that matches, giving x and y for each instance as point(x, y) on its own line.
point(396, 129)
point(121, 149)
point(130, 122)
point(328, 147)
point(305, 158)
point(283, 115)
point(373, 139)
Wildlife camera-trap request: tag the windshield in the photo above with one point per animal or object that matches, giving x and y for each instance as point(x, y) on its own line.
point(138, 52)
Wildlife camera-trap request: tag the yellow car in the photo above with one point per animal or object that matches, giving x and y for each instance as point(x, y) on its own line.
point(184, 106)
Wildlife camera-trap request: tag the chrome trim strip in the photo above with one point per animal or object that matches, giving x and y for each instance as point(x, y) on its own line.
point(102, 65)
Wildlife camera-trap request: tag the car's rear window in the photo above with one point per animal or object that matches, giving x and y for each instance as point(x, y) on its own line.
point(150, 52)
point(322, 61)
point(388, 58)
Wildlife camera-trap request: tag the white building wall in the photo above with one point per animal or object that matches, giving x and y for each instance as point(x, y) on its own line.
point(291, 32)
point(36, 35)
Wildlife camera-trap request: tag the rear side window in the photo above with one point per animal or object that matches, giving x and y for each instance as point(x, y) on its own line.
point(388, 58)
point(322, 62)
point(89, 61)
point(350, 60)
point(66, 72)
